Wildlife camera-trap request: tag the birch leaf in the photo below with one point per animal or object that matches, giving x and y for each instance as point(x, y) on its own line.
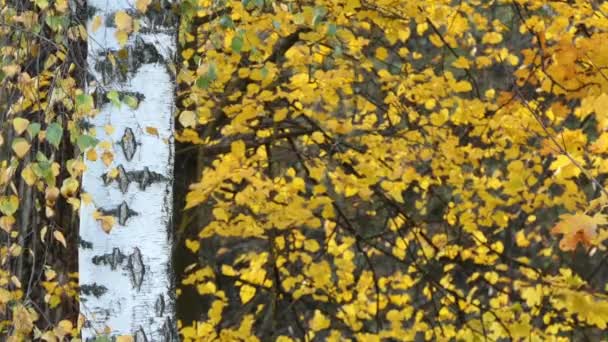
point(142, 5)
point(107, 157)
point(246, 293)
point(20, 125)
point(152, 130)
point(7, 223)
point(59, 237)
point(187, 119)
point(20, 147)
point(123, 22)
point(96, 24)
point(9, 204)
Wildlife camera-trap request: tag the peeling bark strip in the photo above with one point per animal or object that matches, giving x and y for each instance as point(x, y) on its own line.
point(126, 285)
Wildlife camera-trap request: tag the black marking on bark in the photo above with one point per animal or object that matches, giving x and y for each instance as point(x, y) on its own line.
point(140, 335)
point(159, 306)
point(84, 244)
point(123, 213)
point(123, 179)
point(113, 259)
point(93, 289)
point(136, 268)
point(128, 144)
point(85, 125)
point(144, 178)
point(126, 60)
point(156, 16)
point(90, 12)
point(168, 331)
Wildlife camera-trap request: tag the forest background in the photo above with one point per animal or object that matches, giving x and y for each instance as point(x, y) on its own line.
point(345, 169)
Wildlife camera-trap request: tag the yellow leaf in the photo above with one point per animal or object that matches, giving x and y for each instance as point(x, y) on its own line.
point(69, 187)
point(125, 338)
point(193, 245)
point(461, 63)
point(107, 157)
point(521, 240)
point(188, 119)
point(123, 22)
point(9, 204)
point(86, 198)
point(238, 148)
point(7, 223)
point(319, 321)
point(600, 104)
point(247, 292)
point(23, 319)
point(578, 228)
point(28, 175)
point(96, 24)
point(280, 115)
point(107, 222)
point(381, 53)
point(50, 274)
point(152, 130)
point(221, 214)
point(462, 87)
point(109, 129)
point(16, 281)
point(20, 147)
point(142, 5)
point(187, 54)
point(43, 233)
point(5, 296)
point(121, 37)
point(59, 237)
point(11, 69)
point(20, 125)
point(91, 154)
point(492, 38)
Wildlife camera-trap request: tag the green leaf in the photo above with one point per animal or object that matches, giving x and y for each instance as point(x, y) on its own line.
point(237, 44)
point(33, 129)
point(85, 141)
point(102, 339)
point(114, 97)
point(40, 157)
point(332, 29)
point(131, 101)
point(84, 103)
point(54, 132)
point(43, 169)
point(205, 80)
point(9, 204)
point(42, 3)
point(226, 21)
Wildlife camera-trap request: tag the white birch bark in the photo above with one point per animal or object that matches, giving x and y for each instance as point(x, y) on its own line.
point(125, 276)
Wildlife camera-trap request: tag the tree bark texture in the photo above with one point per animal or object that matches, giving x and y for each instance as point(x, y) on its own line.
point(125, 275)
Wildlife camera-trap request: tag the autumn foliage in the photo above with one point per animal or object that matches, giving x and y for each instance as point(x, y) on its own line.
point(368, 170)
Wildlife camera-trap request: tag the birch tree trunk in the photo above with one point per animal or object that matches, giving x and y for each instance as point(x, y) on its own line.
point(125, 274)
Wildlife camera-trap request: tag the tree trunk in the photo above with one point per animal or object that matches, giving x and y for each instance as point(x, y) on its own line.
point(125, 274)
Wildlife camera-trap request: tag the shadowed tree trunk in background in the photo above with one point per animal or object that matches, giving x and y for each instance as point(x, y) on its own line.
point(127, 286)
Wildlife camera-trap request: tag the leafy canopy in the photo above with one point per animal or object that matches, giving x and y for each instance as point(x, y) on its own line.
point(397, 169)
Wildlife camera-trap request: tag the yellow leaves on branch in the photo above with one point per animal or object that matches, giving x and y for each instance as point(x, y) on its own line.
point(124, 26)
point(578, 228)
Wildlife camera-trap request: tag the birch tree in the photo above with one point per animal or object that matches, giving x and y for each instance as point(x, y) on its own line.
point(125, 249)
